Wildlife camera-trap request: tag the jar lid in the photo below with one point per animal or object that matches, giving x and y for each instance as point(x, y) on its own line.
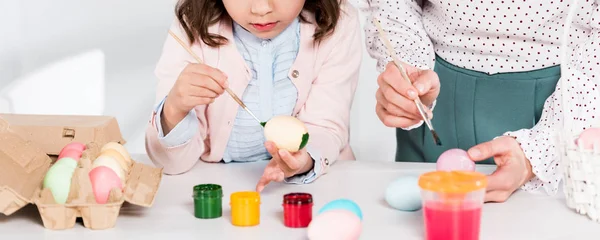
point(248, 197)
point(461, 182)
point(297, 198)
point(208, 190)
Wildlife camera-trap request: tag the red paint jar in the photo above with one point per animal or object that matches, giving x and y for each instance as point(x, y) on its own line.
point(297, 210)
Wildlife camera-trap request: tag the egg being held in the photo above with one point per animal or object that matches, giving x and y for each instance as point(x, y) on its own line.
point(344, 204)
point(589, 138)
point(404, 194)
point(287, 133)
point(336, 224)
point(455, 160)
point(103, 180)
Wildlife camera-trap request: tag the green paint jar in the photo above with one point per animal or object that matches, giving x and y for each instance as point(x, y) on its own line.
point(208, 201)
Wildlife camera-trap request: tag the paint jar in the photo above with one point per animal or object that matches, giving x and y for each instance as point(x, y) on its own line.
point(245, 209)
point(297, 210)
point(208, 200)
point(452, 203)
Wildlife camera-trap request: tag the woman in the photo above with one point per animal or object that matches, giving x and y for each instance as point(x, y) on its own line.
point(489, 72)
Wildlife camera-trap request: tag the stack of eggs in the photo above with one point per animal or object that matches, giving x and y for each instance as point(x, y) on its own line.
point(58, 177)
point(109, 171)
point(338, 219)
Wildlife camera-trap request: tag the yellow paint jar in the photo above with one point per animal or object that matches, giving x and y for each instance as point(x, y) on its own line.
point(245, 209)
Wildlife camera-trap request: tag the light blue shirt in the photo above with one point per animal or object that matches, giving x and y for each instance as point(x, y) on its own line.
point(269, 93)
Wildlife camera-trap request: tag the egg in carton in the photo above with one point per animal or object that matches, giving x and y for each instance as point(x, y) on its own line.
point(24, 166)
point(140, 184)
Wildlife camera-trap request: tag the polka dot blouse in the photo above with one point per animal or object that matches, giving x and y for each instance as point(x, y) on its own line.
point(504, 36)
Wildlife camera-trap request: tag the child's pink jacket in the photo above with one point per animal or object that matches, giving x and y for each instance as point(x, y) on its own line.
point(325, 75)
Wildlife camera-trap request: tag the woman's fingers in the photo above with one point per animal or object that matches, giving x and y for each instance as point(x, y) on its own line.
point(391, 120)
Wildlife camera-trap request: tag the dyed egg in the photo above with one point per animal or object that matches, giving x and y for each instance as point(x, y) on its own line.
point(287, 133)
point(111, 163)
point(103, 180)
point(119, 148)
point(74, 146)
point(455, 160)
point(58, 180)
point(344, 204)
point(589, 138)
point(336, 224)
point(124, 164)
point(69, 162)
point(70, 153)
point(404, 194)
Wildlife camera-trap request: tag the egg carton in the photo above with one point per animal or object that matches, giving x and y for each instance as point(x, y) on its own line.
point(581, 178)
point(23, 166)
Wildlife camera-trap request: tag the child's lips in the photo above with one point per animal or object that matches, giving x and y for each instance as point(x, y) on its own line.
point(263, 27)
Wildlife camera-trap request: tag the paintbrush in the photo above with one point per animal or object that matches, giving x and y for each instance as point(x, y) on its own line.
point(398, 64)
point(231, 93)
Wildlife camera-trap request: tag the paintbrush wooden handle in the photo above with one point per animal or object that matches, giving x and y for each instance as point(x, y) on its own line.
point(229, 91)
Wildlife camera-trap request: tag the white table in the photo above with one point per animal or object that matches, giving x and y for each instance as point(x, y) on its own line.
point(524, 216)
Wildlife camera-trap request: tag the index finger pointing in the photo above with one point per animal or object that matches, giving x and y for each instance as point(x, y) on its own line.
point(491, 148)
point(264, 180)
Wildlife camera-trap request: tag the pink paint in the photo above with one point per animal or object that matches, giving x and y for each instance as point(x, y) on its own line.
point(103, 181)
point(451, 222)
point(589, 138)
point(455, 159)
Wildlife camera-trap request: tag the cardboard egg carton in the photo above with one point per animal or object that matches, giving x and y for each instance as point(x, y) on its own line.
point(28, 144)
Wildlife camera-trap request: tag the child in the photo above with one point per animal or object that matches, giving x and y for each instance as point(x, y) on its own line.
point(282, 58)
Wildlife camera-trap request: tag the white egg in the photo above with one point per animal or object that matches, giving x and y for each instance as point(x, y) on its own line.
point(336, 224)
point(111, 163)
point(404, 194)
point(287, 133)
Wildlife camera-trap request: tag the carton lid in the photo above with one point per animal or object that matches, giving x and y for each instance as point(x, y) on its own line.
point(22, 168)
point(53, 132)
point(142, 185)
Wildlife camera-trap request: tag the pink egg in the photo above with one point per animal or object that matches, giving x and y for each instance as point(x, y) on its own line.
point(80, 147)
point(336, 224)
point(455, 160)
point(103, 181)
point(589, 138)
point(70, 153)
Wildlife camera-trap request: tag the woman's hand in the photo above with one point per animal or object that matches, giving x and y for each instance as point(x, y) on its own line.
point(395, 96)
point(198, 84)
point(284, 165)
point(513, 170)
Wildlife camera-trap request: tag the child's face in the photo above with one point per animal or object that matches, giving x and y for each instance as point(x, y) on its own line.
point(264, 18)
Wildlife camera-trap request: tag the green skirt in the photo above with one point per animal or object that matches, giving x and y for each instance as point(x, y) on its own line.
point(475, 107)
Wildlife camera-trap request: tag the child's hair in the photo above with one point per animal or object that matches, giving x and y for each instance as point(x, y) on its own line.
point(195, 16)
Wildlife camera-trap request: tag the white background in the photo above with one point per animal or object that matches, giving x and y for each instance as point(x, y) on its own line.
point(96, 57)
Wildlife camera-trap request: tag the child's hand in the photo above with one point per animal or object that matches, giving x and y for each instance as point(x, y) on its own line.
point(284, 165)
point(395, 96)
point(198, 84)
